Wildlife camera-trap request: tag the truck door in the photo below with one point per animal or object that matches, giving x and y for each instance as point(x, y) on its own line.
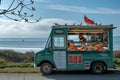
point(59, 51)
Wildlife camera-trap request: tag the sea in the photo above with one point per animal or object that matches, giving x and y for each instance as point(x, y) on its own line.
point(23, 44)
point(36, 44)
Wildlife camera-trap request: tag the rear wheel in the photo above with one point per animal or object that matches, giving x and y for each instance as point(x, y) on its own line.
point(98, 68)
point(46, 68)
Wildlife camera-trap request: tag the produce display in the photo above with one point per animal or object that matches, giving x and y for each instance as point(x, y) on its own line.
point(83, 48)
point(72, 47)
point(90, 47)
point(98, 47)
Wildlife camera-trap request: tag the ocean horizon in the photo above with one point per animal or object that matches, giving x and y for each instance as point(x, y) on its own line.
point(23, 44)
point(36, 44)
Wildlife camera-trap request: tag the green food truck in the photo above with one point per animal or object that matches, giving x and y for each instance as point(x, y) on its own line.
point(72, 47)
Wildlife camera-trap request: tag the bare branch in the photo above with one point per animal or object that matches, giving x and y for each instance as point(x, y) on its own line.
point(19, 11)
point(11, 4)
point(0, 1)
point(10, 18)
point(32, 1)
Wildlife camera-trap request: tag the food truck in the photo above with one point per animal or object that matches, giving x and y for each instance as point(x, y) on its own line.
point(72, 47)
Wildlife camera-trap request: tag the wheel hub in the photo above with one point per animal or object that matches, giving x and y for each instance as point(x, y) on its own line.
point(46, 68)
point(98, 68)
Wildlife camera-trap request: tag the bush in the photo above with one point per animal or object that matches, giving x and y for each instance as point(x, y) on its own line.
point(117, 53)
point(17, 65)
point(13, 56)
point(117, 61)
point(2, 61)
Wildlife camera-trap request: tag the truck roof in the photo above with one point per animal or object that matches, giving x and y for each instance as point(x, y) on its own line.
point(83, 26)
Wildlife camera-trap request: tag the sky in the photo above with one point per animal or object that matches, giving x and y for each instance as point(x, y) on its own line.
point(61, 11)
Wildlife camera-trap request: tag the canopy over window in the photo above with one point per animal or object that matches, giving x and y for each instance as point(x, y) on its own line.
point(73, 31)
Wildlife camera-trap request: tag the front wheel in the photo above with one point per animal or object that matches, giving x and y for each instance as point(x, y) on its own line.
point(98, 68)
point(46, 68)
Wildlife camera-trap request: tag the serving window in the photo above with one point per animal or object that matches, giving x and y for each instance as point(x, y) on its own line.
point(88, 39)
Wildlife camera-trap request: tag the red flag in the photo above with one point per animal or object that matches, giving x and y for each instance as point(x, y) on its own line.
point(88, 21)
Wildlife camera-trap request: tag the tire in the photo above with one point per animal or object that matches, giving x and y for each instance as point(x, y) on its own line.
point(46, 68)
point(98, 68)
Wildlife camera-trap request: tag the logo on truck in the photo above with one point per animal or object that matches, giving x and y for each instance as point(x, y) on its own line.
point(74, 59)
point(59, 31)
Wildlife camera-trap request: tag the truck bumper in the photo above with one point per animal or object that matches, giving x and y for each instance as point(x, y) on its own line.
point(35, 65)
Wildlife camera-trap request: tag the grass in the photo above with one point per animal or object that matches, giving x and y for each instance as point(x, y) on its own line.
point(29, 70)
point(17, 65)
point(20, 70)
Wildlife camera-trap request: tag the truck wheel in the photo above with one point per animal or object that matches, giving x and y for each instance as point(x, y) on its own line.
point(46, 68)
point(98, 68)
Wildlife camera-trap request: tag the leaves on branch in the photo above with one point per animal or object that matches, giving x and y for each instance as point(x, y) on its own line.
point(25, 13)
point(26, 20)
point(12, 12)
point(31, 15)
point(38, 19)
point(32, 1)
point(18, 12)
point(16, 19)
point(33, 8)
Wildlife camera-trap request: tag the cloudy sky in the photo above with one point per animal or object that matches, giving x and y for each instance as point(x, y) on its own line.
point(61, 11)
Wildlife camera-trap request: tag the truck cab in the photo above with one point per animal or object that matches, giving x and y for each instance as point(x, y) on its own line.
point(71, 47)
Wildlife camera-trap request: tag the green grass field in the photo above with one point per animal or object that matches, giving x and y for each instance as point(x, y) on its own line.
point(19, 70)
point(16, 65)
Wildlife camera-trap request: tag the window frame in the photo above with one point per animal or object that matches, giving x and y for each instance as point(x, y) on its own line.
point(87, 34)
point(48, 44)
point(58, 47)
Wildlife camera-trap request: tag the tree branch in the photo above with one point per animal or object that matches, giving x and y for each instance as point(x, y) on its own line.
point(18, 11)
